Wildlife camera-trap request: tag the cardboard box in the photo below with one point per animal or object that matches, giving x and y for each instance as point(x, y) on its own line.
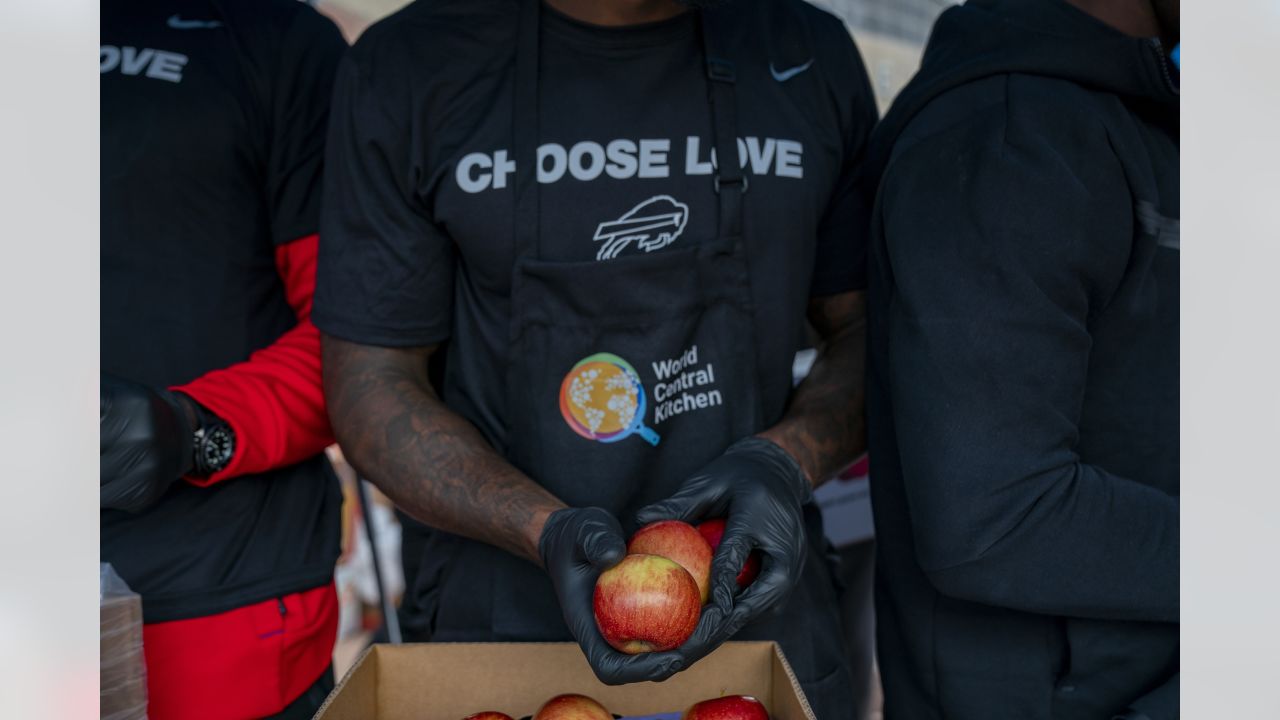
point(449, 681)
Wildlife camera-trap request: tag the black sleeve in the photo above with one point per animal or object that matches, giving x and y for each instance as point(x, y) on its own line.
point(1001, 243)
point(298, 111)
point(385, 274)
point(1161, 703)
point(840, 262)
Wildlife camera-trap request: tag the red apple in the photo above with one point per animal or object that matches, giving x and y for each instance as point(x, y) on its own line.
point(729, 707)
point(646, 603)
point(488, 715)
point(572, 707)
point(712, 531)
point(677, 541)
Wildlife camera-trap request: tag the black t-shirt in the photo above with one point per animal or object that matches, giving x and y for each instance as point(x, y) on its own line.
point(213, 126)
point(417, 228)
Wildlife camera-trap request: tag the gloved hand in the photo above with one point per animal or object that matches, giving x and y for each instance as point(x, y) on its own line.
point(577, 544)
point(759, 489)
point(146, 443)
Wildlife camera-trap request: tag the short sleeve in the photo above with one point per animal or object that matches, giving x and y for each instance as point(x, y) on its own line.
point(301, 86)
point(385, 274)
point(840, 263)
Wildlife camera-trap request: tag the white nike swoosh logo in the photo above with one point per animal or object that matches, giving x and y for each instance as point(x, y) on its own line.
point(178, 23)
point(785, 75)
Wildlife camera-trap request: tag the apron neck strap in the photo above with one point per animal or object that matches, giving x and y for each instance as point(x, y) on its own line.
point(729, 181)
point(524, 129)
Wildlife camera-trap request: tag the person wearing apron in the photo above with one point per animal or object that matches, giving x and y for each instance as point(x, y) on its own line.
point(621, 312)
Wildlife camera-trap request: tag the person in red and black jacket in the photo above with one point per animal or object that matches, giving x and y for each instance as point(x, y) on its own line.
point(218, 505)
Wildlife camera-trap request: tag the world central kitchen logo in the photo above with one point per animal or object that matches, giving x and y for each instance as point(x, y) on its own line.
point(603, 399)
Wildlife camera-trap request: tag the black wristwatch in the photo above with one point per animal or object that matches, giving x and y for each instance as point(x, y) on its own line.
point(213, 445)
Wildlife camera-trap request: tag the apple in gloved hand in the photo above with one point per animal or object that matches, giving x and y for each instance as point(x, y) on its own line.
point(729, 707)
point(488, 715)
point(572, 707)
point(646, 603)
point(712, 531)
point(680, 542)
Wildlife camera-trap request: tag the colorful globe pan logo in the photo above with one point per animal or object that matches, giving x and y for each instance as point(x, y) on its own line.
point(602, 399)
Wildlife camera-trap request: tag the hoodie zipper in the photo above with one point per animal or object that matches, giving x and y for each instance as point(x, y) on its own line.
point(1161, 58)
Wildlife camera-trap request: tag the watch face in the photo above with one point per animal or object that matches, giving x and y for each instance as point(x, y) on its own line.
point(218, 447)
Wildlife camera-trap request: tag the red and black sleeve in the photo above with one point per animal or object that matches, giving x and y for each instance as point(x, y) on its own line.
point(273, 401)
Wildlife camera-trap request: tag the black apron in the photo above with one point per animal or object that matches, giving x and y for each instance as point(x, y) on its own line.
point(584, 335)
point(581, 417)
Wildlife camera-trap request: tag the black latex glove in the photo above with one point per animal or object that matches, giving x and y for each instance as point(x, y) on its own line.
point(146, 443)
point(759, 489)
point(577, 545)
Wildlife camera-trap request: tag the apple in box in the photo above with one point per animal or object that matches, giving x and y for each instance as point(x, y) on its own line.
point(712, 531)
point(729, 707)
point(680, 542)
point(646, 603)
point(572, 707)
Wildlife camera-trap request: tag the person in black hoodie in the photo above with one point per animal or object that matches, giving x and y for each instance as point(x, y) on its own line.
point(1023, 366)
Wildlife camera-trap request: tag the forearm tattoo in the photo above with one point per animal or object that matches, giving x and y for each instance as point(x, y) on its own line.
point(431, 462)
point(825, 424)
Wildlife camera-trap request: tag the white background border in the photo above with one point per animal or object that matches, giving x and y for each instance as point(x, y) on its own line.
point(1231, 359)
point(48, 359)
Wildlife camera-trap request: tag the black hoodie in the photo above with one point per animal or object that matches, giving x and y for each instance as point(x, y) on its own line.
point(1023, 387)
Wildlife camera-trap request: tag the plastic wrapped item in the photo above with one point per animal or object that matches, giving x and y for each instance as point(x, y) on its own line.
point(122, 669)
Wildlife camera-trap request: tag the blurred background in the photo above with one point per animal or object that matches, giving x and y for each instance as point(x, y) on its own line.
point(890, 33)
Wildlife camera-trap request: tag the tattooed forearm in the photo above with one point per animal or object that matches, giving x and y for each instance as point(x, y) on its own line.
point(825, 425)
point(435, 465)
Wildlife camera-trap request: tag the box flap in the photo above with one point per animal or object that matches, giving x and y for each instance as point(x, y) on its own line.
point(356, 695)
point(789, 700)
